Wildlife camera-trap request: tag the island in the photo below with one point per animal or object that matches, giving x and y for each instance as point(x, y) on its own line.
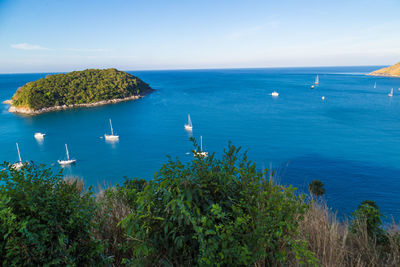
point(87, 88)
point(392, 71)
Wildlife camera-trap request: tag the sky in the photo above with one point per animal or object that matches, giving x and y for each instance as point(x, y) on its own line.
point(66, 35)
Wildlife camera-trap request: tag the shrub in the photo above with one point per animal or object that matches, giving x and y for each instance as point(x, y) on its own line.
point(45, 221)
point(115, 204)
point(215, 212)
point(368, 213)
point(316, 188)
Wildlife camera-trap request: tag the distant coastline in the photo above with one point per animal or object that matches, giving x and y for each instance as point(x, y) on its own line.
point(391, 71)
point(29, 111)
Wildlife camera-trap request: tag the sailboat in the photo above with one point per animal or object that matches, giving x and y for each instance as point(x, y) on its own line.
point(201, 153)
point(111, 137)
point(39, 136)
point(375, 85)
point(19, 164)
point(189, 125)
point(391, 93)
point(316, 81)
point(68, 161)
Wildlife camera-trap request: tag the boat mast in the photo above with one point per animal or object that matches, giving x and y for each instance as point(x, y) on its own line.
point(189, 121)
point(112, 131)
point(201, 143)
point(19, 155)
point(66, 149)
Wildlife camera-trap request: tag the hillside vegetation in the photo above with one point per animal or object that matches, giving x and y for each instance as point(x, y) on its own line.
point(78, 87)
point(207, 212)
point(389, 71)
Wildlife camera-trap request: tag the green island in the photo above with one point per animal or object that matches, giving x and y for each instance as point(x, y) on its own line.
point(207, 212)
point(91, 87)
point(391, 71)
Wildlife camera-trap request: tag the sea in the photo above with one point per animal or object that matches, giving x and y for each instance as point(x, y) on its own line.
point(350, 140)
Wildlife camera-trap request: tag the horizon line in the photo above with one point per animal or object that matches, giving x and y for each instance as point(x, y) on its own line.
point(210, 68)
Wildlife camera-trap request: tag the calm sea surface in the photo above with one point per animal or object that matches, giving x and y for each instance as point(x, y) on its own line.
point(350, 141)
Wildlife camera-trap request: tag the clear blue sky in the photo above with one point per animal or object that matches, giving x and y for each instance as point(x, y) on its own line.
point(42, 36)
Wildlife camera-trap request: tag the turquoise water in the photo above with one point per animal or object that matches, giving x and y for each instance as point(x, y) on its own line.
point(350, 141)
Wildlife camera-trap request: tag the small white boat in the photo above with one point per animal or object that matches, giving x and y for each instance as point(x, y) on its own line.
point(375, 85)
point(323, 97)
point(189, 125)
point(39, 135)
point(317, 81)
point(391, 93)
point(68, 161)
point(19, 164)
point(201, 153)
point(111, 137)
point(312, 86)
point(275, 93)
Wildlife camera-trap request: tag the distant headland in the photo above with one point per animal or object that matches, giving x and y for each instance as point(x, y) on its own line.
point(392, 71)
point(87, 88)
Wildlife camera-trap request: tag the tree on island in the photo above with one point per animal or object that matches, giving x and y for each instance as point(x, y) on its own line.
point(316, 188)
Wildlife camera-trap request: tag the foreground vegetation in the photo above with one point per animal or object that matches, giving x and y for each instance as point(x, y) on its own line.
point(208, 212)
point(78, 87)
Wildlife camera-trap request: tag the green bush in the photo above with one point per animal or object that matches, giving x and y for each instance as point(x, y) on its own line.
point(215, 212)
point(115, 204)
point(316, 188)
point(368, 214)
point(45, 221)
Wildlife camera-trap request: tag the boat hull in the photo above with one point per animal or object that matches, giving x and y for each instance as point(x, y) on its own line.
point(111, 137)
point(66, 162)
point(39, 135)
point(201, 154)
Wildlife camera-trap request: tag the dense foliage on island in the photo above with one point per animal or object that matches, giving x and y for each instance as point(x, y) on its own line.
point(393, 70)
point(78, 87)
point(207, 212)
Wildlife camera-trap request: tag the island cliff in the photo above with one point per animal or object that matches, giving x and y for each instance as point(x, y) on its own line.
point(392, 71)
point(88, 88)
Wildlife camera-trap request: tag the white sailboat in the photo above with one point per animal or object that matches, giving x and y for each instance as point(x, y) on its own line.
point(375, 85)
point(68, 161)
point(19, 164)
point(391, 93)
point(39, 135)
point(201, 153)
point(111, 137)
point(189, 125)
point(317, 81)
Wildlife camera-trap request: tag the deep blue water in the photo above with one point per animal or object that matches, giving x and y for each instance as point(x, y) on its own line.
point(350, 141)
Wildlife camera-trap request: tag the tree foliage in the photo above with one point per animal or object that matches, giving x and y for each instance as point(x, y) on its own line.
point(45, 221)
point(214, 212)
point(78, 87)
point(368, 214)
point(316, 187)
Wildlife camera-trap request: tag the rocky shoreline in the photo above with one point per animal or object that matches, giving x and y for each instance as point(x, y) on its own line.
point(383, 75)
point(28, 111)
